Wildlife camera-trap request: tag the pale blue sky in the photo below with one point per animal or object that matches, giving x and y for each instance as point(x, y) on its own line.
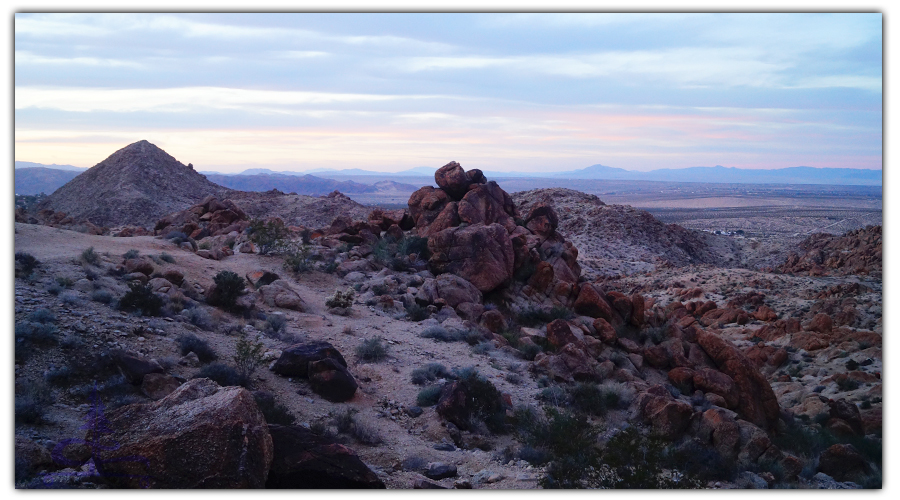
point(529, 92)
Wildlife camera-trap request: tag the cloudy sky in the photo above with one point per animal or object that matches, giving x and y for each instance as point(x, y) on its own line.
point(527, 92)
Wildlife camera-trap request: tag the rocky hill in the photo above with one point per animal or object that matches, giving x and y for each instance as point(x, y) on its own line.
point(298, 209)
point(618, 239)
point(856, 252)
point(38, 180)
point(307, 184)
point(136, 185)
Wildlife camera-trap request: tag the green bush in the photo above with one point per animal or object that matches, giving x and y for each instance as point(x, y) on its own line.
point(273, 411)
point(297, 259)
point(167, 258)
point(429, 373)
point(414, 244)
point(188, 342)
point(141, 298)
point(429, 396)
point(276, 323)
point(248, 356)
point(371, 350)
point(91, 257)
point(102, 296)
point(269, 235)
point(223, 375)
point(228, 287)
point(440, 333)
point(638, 462)
point(42, 315)
point(415, 312)
point(536, 316)
point(32, 404)
point(339, 299)
point(131, 254)
point(568, 439)
point(25, 264)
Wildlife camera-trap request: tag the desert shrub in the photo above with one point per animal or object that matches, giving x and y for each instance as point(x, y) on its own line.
point(177, 237)
point(223, 375)
point(482, 347)
point(415, 312)
point(637, 462)
point(554, 395)
point(200, 318)
point(268, 235)
point(485, 401)
point(429, 373)
point(141, 298)
point(514, 378)
point(89, 256)
point(58, 376)
point(102, 296)
point(297, 259)
point(276, 323)
point(365, 433)
point(414, 244)
point(847, 384)
point(54, 289)
point(529, 351)
point(32, 404)
point(35, 333)
point(383, 250)
point(852, 365)
point(342, 420)
point(330, 267)
point(567, 439)
point(229, 286)
point(42, 315)
point(273, 411)
point(372, 350)
point(70, 342)
point(440, 333)
point(339, 299)
point(131, 254)
point(64, 281)
point(429, 396)
point(804, 440)
point(167, 258)
point(25, 264)
point(70, 298)
point(188, 342)
point(248, 356)
point(699, 463)
point(205, 245)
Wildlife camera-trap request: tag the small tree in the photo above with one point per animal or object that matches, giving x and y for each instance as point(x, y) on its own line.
point(229, 286)
point(269, 235)
point(248, 356)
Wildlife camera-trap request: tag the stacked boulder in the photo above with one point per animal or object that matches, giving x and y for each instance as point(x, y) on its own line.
point(475, 232)
point(218, 225)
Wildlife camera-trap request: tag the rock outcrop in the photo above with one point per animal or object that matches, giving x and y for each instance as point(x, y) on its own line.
point(855, 252)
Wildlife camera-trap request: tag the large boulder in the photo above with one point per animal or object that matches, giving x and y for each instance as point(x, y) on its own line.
point(487, 204)
point(304, 460)
point(134, 367)
point(843, 462)
point(591, 303)
point(668, 416)
point(426, 204)
point(542, 220)
point(280, 294)
point(200, 436)
point(452, 179)
point(481, 254)
point(331, 380)
point(756, 400)
point(449, 287)
point(294, 361)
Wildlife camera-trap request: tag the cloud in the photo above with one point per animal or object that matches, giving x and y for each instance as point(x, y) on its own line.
point(28, 58)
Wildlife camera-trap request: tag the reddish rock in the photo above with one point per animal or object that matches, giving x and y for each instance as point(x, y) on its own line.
point(542, 277)
point(765, 313)
point(134, 367)
point(304, 460)
point(682, 378)
point(139, 265)
point(487, 204)
point(605, 331)
point(294, 361)
point(591, 303)
point(719, 428)
point(705, 308)
point(820, 323)
point(668, 416)
point(621, 303)
point(637, 310)
point(330, 379)
point(560, 334)
point(156, 444)
point(494, 321)
point(480, 254)
point(848, 412)
point(425, 204)
point(542, 220)
point(159, 385)
point(569, 364)
point(843, 462)
point(716, 382)
point(452, 179)
point(757, 402)
point(453, 289)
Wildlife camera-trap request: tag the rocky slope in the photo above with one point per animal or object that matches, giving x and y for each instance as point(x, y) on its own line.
point(297, 209)
point(618, 239)
point(855, 252)
point(134, 186)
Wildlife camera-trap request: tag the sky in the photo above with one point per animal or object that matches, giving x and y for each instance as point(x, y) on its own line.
point(500, 92)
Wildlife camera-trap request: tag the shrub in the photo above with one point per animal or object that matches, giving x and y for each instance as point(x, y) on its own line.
point(268, 235)
point(54, 289)
point(273, 411)
point(223, 375)
point(177, 237)
point(535, 316)
point(699, 463)
point(637, 462)
point(342, 420)
point(131, 254)
point(189, 342)
point(371, 350)
point(70, 298)
point(58, 376)
point(31, 405)
point(514, 378)
point(42, 315)
point(414, 244)
point(276, 323)
point(440, 333)
point(199, 317)
point(248, 356)
point(102, 296)
point(430, 373)
point(25, 264)
point(339, 299)
point(852, 365)
point(847, 384)
point(89, 256)
point(482, 347)
point(417, 313)
point(330, 267)
point(141, 298)
point(484, 400)
point(35, 333)
point(297, 259)
point(365, 433)
point(529, 351)
point(205, 245)
point(228, 287)
point(167, 258)
point(429, 396)
point(567, 439)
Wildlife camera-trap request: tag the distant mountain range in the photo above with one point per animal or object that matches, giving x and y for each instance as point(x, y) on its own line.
point(301, 183)
point(37, 180)
point(29, 164)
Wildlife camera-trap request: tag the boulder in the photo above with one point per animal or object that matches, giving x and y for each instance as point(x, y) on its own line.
point(848, 412)
point(200, 436)
point(591, 303)
point(425, 204)
point(453, 289)
point(262, 278)
point(174, 276)
point(560, 334)
point(139, 265)
point(719, 428)
point(304, 460)
point(487, 204)
point(493, 320)
point(820, 323)
point(569, 364)
point(843, 462)
point(134, 367)
point(440, 470)
point(452, 179)
point(756, 400)
point(294, 361)
point(716, 382)
point(481, 254)
point(331, 380)
point(668, 416)
point(542, 220)
point(280, 294)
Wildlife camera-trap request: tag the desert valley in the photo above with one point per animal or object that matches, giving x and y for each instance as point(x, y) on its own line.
point(474, 333)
